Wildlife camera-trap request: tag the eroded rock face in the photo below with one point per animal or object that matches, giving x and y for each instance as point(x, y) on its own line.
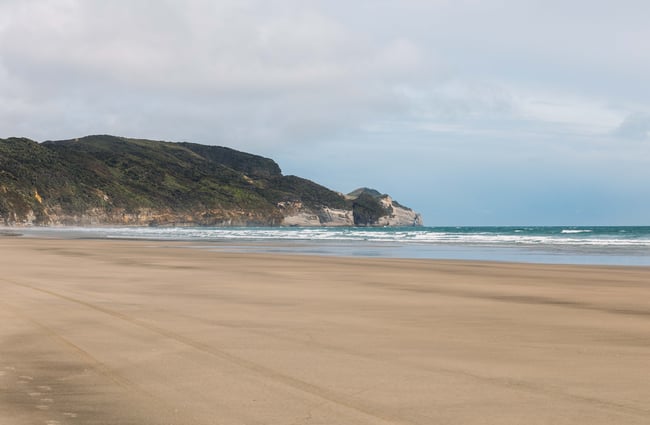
point(140, 217)
point(335, 217)
point(399, 216)
point(297, 215)
point(396, 216)
point(371, 208)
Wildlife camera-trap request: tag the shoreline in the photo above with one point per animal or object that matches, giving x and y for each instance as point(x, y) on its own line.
point(358, 248)
point(229, 248)
point(115, 331)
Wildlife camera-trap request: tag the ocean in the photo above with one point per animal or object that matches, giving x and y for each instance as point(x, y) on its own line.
point(620, 245)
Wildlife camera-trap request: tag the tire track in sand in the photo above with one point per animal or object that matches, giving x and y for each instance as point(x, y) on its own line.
point(330, 395)
point(100, 368)
point(373, 411)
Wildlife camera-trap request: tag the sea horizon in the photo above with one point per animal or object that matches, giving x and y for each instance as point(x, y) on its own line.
point(589, 245)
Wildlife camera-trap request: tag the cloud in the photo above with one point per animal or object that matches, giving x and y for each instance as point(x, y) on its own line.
point(248, 70)
point(268, 72)
point(262, 73)
point(635, 126)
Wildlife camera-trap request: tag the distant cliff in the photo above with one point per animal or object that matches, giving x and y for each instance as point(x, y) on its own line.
point(372, 208)
point(108, 180)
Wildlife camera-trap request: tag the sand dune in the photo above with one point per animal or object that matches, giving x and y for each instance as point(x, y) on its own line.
point(124, 332)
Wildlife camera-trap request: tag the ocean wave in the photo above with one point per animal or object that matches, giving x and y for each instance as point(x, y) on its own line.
point(542, 237)
point(569, 231)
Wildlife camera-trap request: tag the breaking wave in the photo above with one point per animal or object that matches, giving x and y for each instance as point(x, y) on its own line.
point(488, 236)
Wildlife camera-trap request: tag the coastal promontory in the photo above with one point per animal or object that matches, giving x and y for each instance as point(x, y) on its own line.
point(109, 180)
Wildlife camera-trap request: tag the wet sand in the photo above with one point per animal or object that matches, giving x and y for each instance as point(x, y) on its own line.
point(128, 332)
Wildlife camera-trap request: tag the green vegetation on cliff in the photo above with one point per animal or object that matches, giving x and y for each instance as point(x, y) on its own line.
point(115, 180)
point(366, 207)
point(115, 175)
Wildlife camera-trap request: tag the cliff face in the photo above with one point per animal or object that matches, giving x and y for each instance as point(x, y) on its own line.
point(295, 214)
point(372, 208)
point(399, 215)
point(107, 180)
point(366, 207)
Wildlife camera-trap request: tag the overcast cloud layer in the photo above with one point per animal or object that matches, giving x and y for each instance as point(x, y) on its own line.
point(473, 112)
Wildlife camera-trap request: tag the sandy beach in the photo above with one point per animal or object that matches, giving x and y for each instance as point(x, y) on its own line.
point(137, 332)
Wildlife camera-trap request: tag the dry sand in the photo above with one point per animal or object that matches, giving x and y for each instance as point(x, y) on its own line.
point(125, 332)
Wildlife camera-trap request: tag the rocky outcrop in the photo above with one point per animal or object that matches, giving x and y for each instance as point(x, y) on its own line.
point(372, 208)
point(335, 217)
point(399, 216)
point(297, 214)
point(144, 217)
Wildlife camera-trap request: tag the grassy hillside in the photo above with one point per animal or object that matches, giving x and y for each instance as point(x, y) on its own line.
point(108, 173)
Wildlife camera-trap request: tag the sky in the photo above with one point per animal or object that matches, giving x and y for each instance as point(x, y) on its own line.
point(472, 112)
